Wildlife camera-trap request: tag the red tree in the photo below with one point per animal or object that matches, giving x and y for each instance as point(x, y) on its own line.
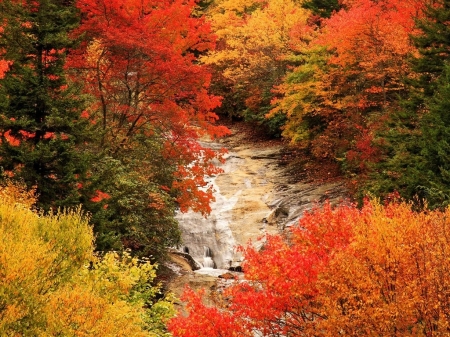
point(377, 271)
point(139, 62)
point(279, 294)
point(370, 43)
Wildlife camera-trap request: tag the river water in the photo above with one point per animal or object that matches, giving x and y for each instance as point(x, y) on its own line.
point(253, 197)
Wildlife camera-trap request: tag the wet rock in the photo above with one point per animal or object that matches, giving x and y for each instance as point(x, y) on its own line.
point(227, 276)
point(193, 265)
point(254, 196)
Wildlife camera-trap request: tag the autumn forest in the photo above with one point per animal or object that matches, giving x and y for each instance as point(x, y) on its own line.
point(103, 104)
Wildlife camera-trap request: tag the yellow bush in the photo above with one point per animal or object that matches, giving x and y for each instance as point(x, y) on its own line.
point(52, 283)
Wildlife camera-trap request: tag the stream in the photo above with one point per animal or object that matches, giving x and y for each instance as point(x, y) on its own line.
point(253, 196)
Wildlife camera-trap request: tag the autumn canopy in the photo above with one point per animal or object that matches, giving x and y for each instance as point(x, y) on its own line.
point(104, 107)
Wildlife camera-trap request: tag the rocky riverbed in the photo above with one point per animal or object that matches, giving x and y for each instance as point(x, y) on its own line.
point(256, 194)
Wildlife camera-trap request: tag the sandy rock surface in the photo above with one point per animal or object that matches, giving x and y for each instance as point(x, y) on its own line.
point(256, 194)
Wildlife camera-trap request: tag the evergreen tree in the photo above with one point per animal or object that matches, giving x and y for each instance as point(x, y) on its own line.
point(42, 131)
point(433, 44)
point(416, 137)
point(322, 8)
point(435, 143)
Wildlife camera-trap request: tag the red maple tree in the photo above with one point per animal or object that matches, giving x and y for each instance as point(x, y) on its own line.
point(139, 60)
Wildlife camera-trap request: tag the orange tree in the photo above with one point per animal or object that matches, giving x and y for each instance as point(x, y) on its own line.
point(376, 270)
point(348, 78)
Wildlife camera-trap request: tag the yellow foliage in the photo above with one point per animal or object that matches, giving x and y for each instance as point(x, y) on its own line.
point(52, 284)
point(393, 279)
point(254, 38)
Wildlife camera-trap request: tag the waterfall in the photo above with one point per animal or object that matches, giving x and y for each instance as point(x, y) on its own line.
point(253, 196)
point(207, 252)
point(208, 262)
point(204, 236)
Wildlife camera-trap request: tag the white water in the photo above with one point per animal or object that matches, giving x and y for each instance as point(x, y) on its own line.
point(210, 240)
point(252, 197)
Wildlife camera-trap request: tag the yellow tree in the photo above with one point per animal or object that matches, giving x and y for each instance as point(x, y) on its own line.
point(52, 284)
point(253, 44)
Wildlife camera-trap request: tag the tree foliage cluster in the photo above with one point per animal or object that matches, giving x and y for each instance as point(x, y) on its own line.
point(379, 270)
point(53, 284)
point(102, 103)
point(361, 83)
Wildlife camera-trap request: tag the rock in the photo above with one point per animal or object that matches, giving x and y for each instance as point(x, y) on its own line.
point(227, 276)
point(237, 269)
point(255, 195)
point(193, 265)
point(278, 215)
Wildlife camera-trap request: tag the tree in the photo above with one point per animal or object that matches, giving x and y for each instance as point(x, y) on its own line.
point(435, 146)
point(322, 8)
point(42, 131)
point(150, 104)
point(376, 270)
point(390, 279)
point(419, 165)
point(253, 43)
point(137, 212)
point(432, 42)
point(415, 142)
point(335, 99)
point(53, 284)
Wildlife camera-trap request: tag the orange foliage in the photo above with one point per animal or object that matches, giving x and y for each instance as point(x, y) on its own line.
point(370, 42)
point(350, 76)
point(380, 270)
point(99, 196)
point(4, 65)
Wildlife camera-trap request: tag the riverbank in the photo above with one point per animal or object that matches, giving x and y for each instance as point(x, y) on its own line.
point(265, 188)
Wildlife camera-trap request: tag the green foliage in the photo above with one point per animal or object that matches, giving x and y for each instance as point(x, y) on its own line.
point(435, 143)
point(42, 133)
point(259, 114)
point(136, 212)
point(322, 8)
point(433, 45)
point(299, 99)
point(416, 150)
point(400, 169)
point(52, 284)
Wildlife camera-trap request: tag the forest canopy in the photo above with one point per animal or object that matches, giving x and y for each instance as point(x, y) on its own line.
point(103, 106)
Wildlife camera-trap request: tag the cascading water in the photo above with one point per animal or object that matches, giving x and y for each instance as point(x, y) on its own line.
point(207, 259)
point(252, 198)
point(204, 237)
